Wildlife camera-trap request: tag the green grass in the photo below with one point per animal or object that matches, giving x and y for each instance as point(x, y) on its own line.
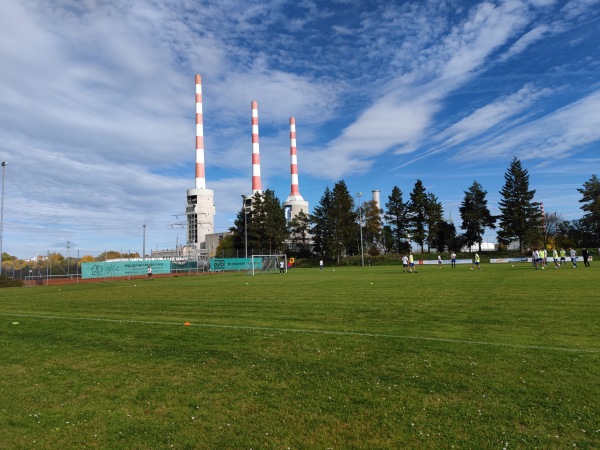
point(353, 358)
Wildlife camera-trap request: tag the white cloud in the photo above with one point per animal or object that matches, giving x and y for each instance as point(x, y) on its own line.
point(491, 115)
point(557, 135)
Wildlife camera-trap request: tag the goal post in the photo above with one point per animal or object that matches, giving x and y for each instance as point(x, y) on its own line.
point(268, 264)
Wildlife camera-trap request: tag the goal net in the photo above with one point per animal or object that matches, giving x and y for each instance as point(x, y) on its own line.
point(267, 264)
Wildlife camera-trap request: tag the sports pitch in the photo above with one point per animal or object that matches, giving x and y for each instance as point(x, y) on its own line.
point(506, 357)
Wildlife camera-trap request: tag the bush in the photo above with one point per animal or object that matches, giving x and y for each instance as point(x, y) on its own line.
point(10, 282)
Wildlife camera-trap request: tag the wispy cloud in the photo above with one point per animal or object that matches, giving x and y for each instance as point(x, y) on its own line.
point(555, 136)
point(97, 113)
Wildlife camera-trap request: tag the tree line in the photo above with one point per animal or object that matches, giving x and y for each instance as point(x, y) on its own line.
point(334, 230)
point(339, 223)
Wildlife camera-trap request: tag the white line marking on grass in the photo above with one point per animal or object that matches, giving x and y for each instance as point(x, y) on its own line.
point(296, 330)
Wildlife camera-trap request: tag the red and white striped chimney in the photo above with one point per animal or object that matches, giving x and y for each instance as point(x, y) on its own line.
point(200, 176)
point(256, 183)
point(295, 191)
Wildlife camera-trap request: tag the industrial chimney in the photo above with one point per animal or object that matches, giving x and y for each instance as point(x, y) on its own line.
point(200, 208)
point(294, 203)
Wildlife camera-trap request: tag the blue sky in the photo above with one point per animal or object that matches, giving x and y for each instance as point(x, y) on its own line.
point(97, 114)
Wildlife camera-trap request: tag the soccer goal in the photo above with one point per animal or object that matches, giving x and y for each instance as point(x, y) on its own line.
point(267, 264)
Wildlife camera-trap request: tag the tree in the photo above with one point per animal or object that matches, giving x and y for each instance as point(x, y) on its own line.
point(334, 223)
point(300, 234)
point(445, 237)
point(226, 247)
point(321, 226)
point(434, 218)
point(371, 215)
point(475, 215)
point(551, 230)
point(591, 205)
point(520, 217)
point(263, 224)
point(397, 216)
point(417, 208)
point(267, 227)
point(346, 228)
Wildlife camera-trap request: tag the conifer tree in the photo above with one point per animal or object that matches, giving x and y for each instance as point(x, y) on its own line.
point(397, 216)
point(520, 217)
point(418, 214)
point(591, 205)
point(475, 215)
point(321, 227)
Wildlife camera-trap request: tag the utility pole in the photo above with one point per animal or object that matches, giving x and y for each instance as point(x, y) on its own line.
point(2, 215)
point(144, 244)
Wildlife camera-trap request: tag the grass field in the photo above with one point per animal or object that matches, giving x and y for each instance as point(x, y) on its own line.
point(504, 358)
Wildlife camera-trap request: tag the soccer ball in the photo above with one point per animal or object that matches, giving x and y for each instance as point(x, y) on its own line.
point(471, 268)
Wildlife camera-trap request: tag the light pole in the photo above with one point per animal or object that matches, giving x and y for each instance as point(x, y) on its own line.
point(2, 215)
point(362, 253)
point(144, 244)
point(245, 225)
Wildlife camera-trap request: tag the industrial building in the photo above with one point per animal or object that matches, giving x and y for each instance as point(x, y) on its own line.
point(202, 241)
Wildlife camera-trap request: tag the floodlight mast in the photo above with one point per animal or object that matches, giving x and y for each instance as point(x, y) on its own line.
point(245, 225)
point(4, 163)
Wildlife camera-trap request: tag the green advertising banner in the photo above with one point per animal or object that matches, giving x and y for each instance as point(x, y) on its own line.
point(109, 269)
point(226, 264)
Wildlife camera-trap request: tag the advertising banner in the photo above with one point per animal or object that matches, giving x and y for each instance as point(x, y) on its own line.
point(107, 269)
point(226, 264)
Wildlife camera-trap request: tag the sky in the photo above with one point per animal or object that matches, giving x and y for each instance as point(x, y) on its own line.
point(97, 107)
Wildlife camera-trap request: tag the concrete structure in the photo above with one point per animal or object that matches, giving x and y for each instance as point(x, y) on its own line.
point(200, 207)
point(213, 241)
point(376, 198)
point(294, 203)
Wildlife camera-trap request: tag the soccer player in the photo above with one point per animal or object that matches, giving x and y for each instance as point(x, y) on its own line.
point(411, 263)
point(476, 262)
point(573, 254)
point(439, 261)
point(405, 263)
point(555, 258)
point(563, 260)
point(453, 259)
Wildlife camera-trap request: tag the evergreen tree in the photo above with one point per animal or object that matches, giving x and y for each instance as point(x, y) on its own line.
point(397, 216)
point(268, 223)
point(520, 217)
point(239, 230)
point(475, 215)
point(264, 225)
point(322, 229)
point(334, 223)
point(434, 218)
point(417, 208)
point(300, 234)
point(445, 237)
point(344, 221)
point(591, 206)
